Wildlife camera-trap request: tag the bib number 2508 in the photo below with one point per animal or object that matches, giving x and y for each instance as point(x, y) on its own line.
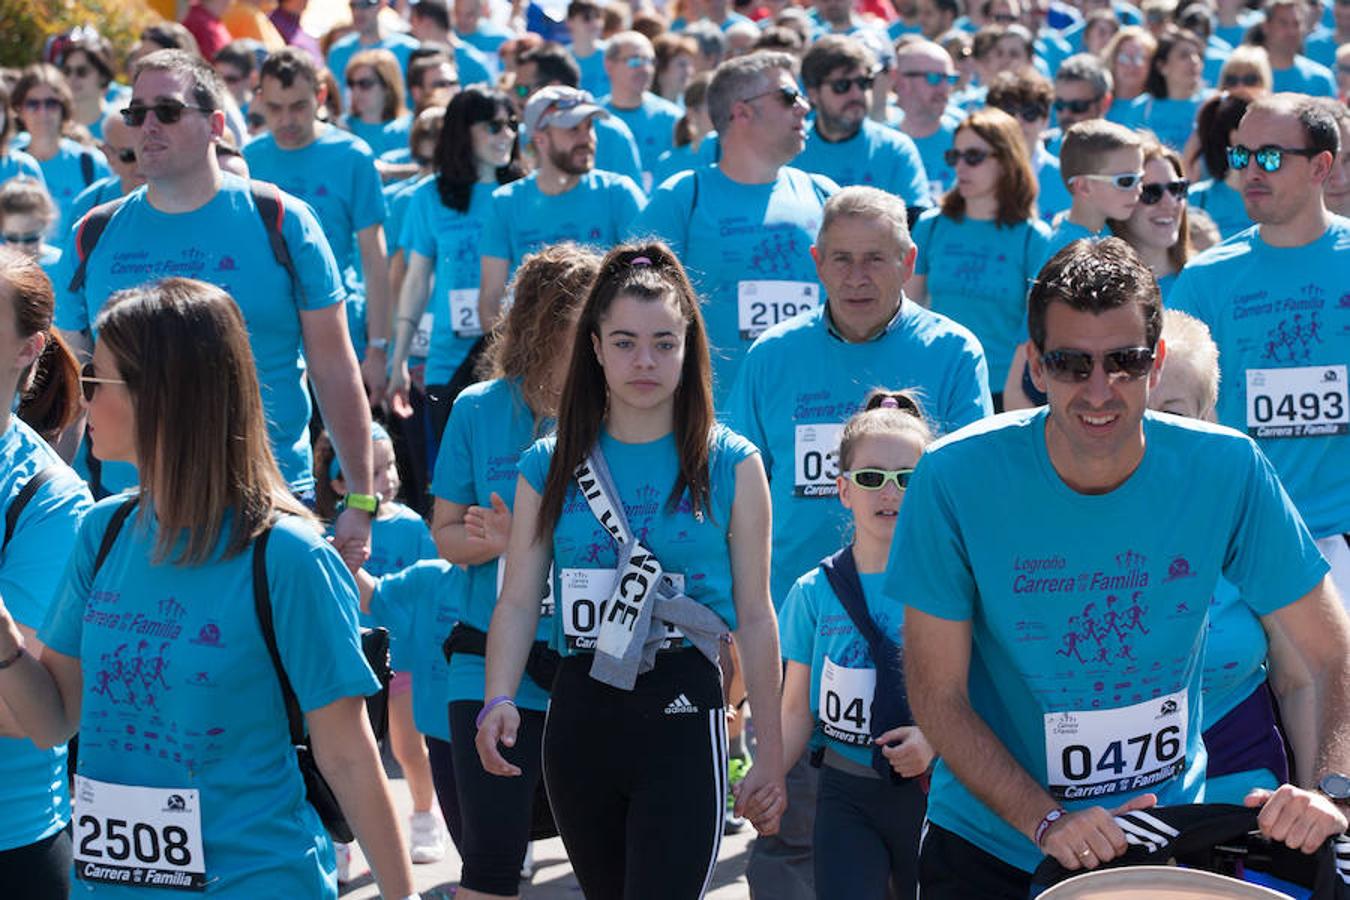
point(138, 836)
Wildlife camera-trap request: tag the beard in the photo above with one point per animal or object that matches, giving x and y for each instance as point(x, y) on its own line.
point(842, 124)
point(577, 161)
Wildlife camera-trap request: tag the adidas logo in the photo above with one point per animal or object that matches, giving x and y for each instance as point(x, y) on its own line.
point(679, 706)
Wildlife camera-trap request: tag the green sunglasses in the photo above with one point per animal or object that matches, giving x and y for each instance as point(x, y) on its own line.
point(875, 479)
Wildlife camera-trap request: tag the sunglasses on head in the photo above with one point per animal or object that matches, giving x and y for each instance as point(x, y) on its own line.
point(497, 126)
point(1150, 194)
point(1124, 181)
point(875, 479)
point(89, 382)
point(166, 112)
point(1077, 107)
point(36, 103)
point(1269, 157)
point(842, 86)
point(787, 94)
point(969, 156)
point(76, 71)
point(1126, 364)
point(32, 237)
point(933, 78)
point(1028, 112)
point(1251, 79)
point(362, 84)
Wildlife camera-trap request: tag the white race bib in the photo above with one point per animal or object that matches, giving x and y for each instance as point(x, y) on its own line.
point(815, 459)
point(585, 595)
point(1100, 752)
point(761, 304)
point(846, 703)
point(464, 313)
point(545, 602)
point(1305, 401)
point(421, 339)
point(138, 836)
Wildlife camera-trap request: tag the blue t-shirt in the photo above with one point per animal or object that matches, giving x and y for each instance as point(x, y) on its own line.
point(1281, 319)
point(1052, 195)
point(818, 633)
point(180, 692)
point(1065, 233)
point(1224, 205)
point(33, 780)
point(97, 194)
point(800, 384)
point(594, 78)
point(381, 137)
point(675, 161)
point(473, 66)
point(876, 156)
point(452, 239)
point(1087, 638)
point(521, 218)
point(1172, 121)
point(490, 427)
point(616, 148)
point(746, 248)
point(420, 605)
point(487, 38)
point(1234, 34)
point(397, 197)
point(693, 547)
point(941, 177)
point(979, 273)
point(1320, 47)
point(71, 170)
point(223, 242)
point(398, 538)
point(653, 126)
point(1305, 77)
point(14, 163)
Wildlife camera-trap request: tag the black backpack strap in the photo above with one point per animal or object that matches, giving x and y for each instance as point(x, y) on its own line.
point(16, 506)
point(119, 517)
point(87, 233)
point(87, 168)
point(842, 573)
point(272, 211)
point(262, 606)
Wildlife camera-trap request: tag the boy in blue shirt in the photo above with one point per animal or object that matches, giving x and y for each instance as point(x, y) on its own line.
point(1102, 164)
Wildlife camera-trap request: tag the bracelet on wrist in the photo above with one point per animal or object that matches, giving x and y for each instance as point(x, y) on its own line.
point(489, 706)
point(1046, 821)
point(18, 654)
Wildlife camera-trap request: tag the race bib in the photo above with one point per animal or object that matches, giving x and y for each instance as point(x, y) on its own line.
point(1305, 401)
point(1097, 753)
point(846, 703)
point(464, 313)
point(585, 597)
point(421, 339)
point(138, 836)
point(762, 304)
point(545, 602)
point(815, 453)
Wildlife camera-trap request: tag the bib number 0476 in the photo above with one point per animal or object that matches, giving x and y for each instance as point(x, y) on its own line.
point(1097, 753)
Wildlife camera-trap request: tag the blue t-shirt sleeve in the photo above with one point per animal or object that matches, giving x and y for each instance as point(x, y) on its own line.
point(64, 624)
point(1272, 558)
point(393, 603)
point(453, 479)
point(314, 610)
point(666, 215)
point(320, 280)
point(1038, 242)
point(496, 237)
point(923, 236)
point(1184, 295)
point(742, 412)
point(419, 233)
point(929, 567)
point(914, 191)
point(368, 206)
point(797, 625)
point(628, 202)
point(51, 520)
point(534, 463)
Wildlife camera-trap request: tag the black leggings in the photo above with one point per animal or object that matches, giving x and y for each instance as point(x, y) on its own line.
point(867, 835)
point(637, 779)
point(497, 810)
point(38, 871)
point(442, 764)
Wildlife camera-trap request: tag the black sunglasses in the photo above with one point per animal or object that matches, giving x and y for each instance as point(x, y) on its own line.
point(841, 85)
point(1251, 79)
point(1126, 364)
point(126, 156)
point(788, 94)
point(166, 112)
point(76, 71)
point(970, 156)
point(32, 237)
point(1028, 112)
point(362, 84)
point(36, 103)
point(1077, 107)
point(1150, 194)
point(497, 126)
point(89, 381)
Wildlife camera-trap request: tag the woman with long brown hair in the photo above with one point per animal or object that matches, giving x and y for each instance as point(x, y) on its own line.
point(154, 646)
point(1158, 229)
point(655, 520)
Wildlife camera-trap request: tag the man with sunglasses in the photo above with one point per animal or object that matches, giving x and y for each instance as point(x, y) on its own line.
point(801, 382)
point(1275, 298)
point(630, 65)
point(923, 79)
point(119, 146)
point(190, 219)
point(1082, 92)
point(844, 144)
point(743, 226)
point(1054, 633)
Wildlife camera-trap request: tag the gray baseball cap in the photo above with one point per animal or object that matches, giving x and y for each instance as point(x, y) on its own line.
point(558, 105)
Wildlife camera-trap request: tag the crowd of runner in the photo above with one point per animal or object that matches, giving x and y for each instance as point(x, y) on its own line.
point(919, 432)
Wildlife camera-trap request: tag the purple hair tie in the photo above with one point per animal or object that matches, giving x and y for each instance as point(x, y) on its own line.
point(639, 261)
point(889, 403)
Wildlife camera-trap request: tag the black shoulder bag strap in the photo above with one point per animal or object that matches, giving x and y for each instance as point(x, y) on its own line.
point(890, 706)
point(262, 605)
point(119, 518)
point(21, 499)
point(87, 233)
point(272, 211)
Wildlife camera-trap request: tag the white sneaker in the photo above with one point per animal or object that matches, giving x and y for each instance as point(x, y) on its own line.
point(426, 838)
point(527, 864)
point(344, 862)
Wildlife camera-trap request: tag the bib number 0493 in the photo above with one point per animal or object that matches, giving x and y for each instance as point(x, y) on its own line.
point(1302, 401)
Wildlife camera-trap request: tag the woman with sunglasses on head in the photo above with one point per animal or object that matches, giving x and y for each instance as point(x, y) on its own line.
point(153, 645)
point(983, 245)
point(477, 151)
point(26, 216)
point(1174, 88)
point(45, 500)
point(872, 794)
point(376, 111)
point(44, 106)
point(491, 425)
point(635, 742)
point(1157, 229)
